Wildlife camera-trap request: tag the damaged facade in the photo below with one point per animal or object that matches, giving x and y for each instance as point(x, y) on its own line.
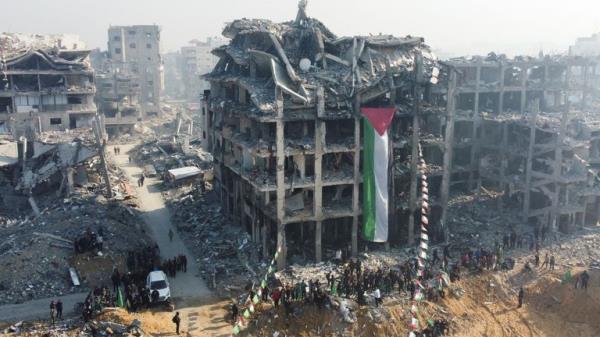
point(118, 98)
point(525, 131)
point(136, 49)
point(46, 83)
point(286, 129)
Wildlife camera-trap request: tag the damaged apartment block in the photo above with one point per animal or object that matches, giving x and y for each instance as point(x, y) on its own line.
point(46, 83)
point(285, 131)
point(118, 98)
point(525, 133)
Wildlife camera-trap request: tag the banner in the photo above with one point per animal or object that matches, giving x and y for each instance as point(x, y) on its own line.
point(376, 166)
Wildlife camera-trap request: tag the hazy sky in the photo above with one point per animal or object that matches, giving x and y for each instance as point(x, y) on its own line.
point(453, 26)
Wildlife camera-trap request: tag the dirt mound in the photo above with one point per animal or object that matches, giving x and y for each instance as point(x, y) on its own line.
point(487, 308)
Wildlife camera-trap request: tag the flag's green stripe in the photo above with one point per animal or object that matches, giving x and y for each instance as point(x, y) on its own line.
point(368, 182)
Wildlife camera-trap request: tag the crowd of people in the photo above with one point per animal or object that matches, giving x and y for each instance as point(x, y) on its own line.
point(174, 265)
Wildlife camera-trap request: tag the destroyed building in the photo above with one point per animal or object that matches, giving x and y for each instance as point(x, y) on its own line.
point(137, 49)
point(284, 115)
point(46, 84)
point(285, 129)
point(118, 98)
point(525, 130)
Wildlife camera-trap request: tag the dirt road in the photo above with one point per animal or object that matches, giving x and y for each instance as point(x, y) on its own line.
point(202, 314)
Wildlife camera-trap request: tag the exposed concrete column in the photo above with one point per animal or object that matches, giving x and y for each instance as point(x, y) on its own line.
point(477, 89)
point(448, 147)
point(265, 228)
point(475, 146)
point(501, 95)
point(528, 165)
point(280, 178)
point(356, 186)
point(585, 87)
point(503, 162)
point(524, 78)
point(558, 155)
point(413, 175)
point(318, 192)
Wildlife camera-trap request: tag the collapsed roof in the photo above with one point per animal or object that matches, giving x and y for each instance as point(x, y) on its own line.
point(298, 56)
point(53, 49)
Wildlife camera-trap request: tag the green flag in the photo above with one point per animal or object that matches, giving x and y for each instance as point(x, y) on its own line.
point(120, 302)
point(255, 299)
point(236, 329)
point(246, 314)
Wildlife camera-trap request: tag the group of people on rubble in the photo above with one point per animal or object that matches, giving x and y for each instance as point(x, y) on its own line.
point(174, 265)
point(96, 300)
point(89, 241)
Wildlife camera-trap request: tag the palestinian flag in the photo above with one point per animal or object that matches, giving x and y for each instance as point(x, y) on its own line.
point(376, 170)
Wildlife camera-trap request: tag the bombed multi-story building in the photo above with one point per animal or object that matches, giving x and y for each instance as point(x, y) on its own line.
point(46, 82)
point(118, 98)
point(524, 131)
point(292, 112)
point(285, 120)
point(137, 49)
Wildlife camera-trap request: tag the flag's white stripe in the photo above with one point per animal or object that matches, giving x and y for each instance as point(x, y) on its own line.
point(381, 158)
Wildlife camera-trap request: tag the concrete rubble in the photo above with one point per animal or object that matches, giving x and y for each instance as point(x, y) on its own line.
point(40, 250)
point(227, 256)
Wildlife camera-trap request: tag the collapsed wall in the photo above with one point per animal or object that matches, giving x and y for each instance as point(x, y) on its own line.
point(46, 84)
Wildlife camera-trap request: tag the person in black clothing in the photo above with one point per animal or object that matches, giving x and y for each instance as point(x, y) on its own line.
point(176, 320)
point(234, 312)
point(521, 296)
point(115, 278)
point(59, 309)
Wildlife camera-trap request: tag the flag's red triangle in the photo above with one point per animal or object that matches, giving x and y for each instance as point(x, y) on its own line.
point(380, 118)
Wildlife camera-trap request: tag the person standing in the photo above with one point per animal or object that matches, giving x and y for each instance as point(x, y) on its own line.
point(52, 311)
point(176, 320)
point(59, 309)
point(521, 296)
point(552, 262)
point(546, 261)
point(585, 277)
point(377, 295)
point(170, 235)
point(115, 278)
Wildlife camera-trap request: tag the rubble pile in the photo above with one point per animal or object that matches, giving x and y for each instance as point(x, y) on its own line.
point(226, 254)
point(75, 327)
point(166, 154)
point(40, 251)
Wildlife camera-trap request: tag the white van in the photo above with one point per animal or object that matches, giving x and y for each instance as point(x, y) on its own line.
point(157, 280)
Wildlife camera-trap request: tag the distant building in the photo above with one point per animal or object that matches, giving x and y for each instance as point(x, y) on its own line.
point(46, 83)
point(197, 59)
point(174, 87)
point(587, 46)
point(137, 48)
